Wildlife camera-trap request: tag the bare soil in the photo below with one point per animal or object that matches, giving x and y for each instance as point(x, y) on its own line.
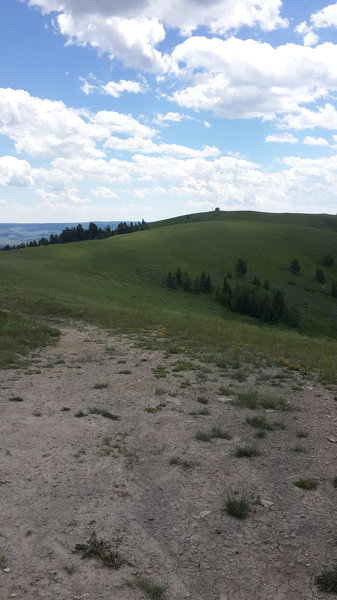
point(64, 476)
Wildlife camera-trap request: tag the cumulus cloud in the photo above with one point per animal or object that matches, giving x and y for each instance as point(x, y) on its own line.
point(304, 118)
point(310, 38)
point(112, 88)
point(284, 138)
point(247, 79)
point(132, 30)
point(327, 17)
point(315, 141)
point(147, 146)
point(14, 171)
point(103, 192)
point(175, 117)
point(48, 128)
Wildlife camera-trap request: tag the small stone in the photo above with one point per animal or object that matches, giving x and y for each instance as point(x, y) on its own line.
point(332, 439)
point(7, 570)
point(224, 399)
point(266, 503)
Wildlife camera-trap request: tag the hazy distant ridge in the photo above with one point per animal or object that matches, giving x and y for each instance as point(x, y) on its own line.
point(15, 233)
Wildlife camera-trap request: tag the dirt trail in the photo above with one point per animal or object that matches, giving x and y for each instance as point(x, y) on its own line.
point(64, 476)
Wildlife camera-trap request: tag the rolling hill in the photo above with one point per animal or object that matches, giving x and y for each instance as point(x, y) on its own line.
point(119, 281)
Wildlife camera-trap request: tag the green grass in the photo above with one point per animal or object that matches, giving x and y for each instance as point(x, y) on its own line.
point(327, 581)
point(154, 591)
point(264, 424)
point(246, 452)
point(215, 432)
point(121, 294)
point(102, 550)
point(306, 484)
point(15, 399)
point(254, 398)
point(237, 507)
point(93, 410)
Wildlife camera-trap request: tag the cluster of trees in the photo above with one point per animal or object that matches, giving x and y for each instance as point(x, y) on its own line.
point(263, 304)
point(320, 275)
point(80, 234)
point(200, 284)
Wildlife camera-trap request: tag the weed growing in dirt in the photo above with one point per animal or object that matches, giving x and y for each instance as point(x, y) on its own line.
point(100, 386)
point(28, 532)
point(160, 392)
point(263, 423)
point(102, 550)
point(298, 448)
point(124, 372)
point(253, 398)
point(185, 384)
point(93, 410)
point(302, 434)
point(65, 409)
point(246, 451)
point(216, 432)
point(306, 484)
point(80, 454)
point(202, 400)
point(152, 590)
point(154, 409)
point(204, 412)
point(159, 372)
point(239, 375)
point(183, 365)
point(3, 561)
point(186, 464)
point(237, 507)
point(201, 377)
point(15, 399)
point(327, 581)
point(260, 434)
point(80, 414)
point(224, 391)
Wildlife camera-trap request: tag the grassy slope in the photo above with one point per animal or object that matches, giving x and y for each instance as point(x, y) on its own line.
point(118, 281)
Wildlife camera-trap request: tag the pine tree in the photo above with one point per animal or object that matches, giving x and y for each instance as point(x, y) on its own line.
point(241, 267)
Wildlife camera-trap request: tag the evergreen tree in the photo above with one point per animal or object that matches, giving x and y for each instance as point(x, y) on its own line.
point(295, 266)
point(320, 276)
point(186, 282)
point(171, 281)
point(241, 267)
point(333, 289)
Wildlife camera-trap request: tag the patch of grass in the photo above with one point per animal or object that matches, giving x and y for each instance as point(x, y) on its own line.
point(180, 462)
point(100, 386)
point(15, 399)
point(246, 451)
point(160, 392)
point(154, 409)
point(237, 507)
point(153, 590)
point(224, 391)
point(263, 423)
point(65, 409)
point(327, 581)
point(334, 482)
point(28, 532)
point(93, 410)
point(37, 413)
point(302, 434)
point(260, 434)
point(201, 377)
point(216, 432)
point(299, 448)
point(101, 550)
point(202, 400)
point(204, 412)
point(3, 561)
point(185, 384)
point(239, 375)
point(159, 372)
point(80, 454)
point(124, 372)
point(183, 365)
point(80, 414)
point(306, 484)
point(254, 398)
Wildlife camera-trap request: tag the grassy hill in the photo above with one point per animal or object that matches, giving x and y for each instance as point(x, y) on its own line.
point(118, 281)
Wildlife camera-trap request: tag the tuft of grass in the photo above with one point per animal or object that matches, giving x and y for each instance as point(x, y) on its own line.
point(239, 375)
point(306, 484)
point(299, 448)
point(260, 434)
point(186, 464)
point(124, 372)
point(204, 412)
point(246, 451)
point(154, 409)
point(100, 386)
point(80, 414)
point(202, 400)
point(302, 434)
point(327, 581)
point(101, 550)
point(159, 372)
point(93, 410)
point(15, 399)
point(334, 482)
point(263, 423)
point(254, 398)
point(216, 432)
point(153, 590)
point(3, 561)
point(65, 409)
point(237, 507)
point(183, 365)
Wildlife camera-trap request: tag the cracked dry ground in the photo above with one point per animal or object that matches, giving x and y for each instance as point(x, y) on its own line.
point(63, 476)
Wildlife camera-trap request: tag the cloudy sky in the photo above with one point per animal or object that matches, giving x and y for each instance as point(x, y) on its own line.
point(131, 109)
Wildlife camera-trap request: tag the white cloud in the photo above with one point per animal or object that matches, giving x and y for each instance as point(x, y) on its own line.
point(146, 146)
point(315, 141)
point(103, 192)
point(131, 30)
point(310, 38)
point(48, 128)
point(325, 116)
point(115, 89)
point(14, 171)
point(247, 79)
point(284, 138)
point(175, 117)
point(327, 17)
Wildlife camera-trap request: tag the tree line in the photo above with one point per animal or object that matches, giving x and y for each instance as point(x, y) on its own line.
point(79, 233)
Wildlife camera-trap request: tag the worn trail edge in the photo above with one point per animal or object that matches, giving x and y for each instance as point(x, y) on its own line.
point(64, 476)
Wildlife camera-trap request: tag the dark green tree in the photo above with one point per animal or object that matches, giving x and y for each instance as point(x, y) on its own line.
point(320, 276)
point(295, 266)
point(241, 267)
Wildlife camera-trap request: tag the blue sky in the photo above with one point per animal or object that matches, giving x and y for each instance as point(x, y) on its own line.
point(114, 110)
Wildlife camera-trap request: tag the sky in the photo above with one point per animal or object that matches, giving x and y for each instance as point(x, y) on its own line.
point(147, 109)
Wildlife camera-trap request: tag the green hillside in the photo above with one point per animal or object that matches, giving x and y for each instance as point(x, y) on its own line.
point(118, 281)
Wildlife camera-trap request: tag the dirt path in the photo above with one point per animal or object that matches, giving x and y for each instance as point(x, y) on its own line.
point(64, 476)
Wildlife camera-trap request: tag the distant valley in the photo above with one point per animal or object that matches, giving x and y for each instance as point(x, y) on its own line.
point(15, 233)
